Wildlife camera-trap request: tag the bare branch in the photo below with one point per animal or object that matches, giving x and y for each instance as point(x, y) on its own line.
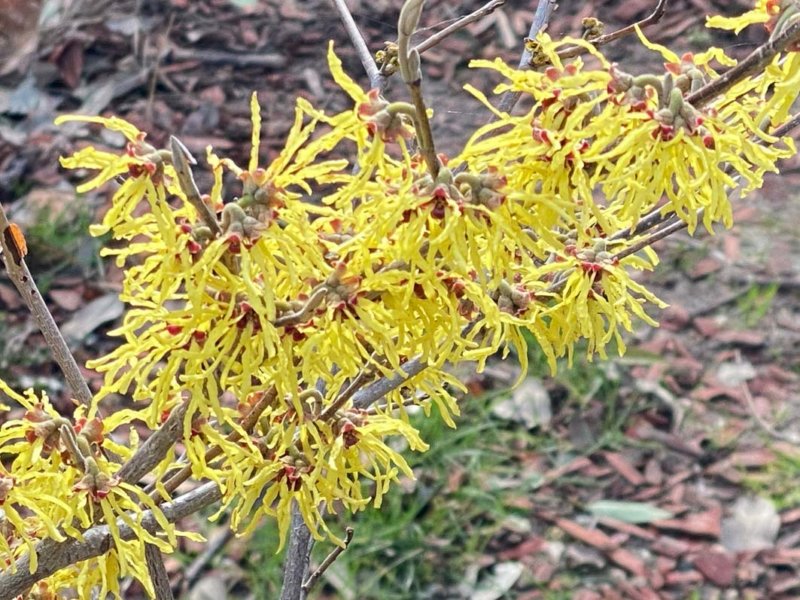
point(298, 556)
point(214, 546)
point(158, 573)
point(155, 447)
point(14, 259)
point(329, 560)
point(376, 79)
point(439, 36)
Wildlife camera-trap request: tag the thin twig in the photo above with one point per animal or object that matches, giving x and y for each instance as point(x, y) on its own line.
point(376, 79)
point(180, 160)
point(17, 269)
point(345, 395)
point(329, 560)
point(213, 547)
point(651, 19)
point(440, 36)
point(673, 225)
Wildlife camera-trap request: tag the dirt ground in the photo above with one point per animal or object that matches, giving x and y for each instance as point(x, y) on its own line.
point(712, 397)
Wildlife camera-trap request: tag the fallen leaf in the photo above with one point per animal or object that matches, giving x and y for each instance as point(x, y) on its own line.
point(624, 468)
point(735, 373)
point(628, 512)
point(704, 523)
point(703, 267)
point(499, 582)
point(593, 537)
point(528, 404)
point(749, 339)
point(753, 525)
point(100, 310)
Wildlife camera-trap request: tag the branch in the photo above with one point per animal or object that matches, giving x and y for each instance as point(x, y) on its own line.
point(544, 10)
point(345, 394)
point(298, 556)
point(181, 159)
point(376, 79)
point(651, 19)
point(14, 259)
point(329, 560)
point(158, 572)
point(408, 59)
point(155, 447)
point(439, 36)
point(54, 556)
point(755, 62)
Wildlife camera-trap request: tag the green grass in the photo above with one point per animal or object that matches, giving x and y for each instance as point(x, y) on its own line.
point(777, 480)
point(61, 241)
point(754, 305)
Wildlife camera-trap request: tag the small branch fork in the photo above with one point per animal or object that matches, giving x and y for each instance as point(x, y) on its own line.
point(329, 560)
point(440, 36)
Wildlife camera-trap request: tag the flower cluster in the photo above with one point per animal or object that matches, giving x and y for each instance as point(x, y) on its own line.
point(263, 315)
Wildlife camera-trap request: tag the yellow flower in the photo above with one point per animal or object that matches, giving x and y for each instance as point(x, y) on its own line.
point(763, 12)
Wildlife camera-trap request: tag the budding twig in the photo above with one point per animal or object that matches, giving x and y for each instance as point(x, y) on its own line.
point(17, 270)
point(408, 59)
point(180, 160)
point(602, 40)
